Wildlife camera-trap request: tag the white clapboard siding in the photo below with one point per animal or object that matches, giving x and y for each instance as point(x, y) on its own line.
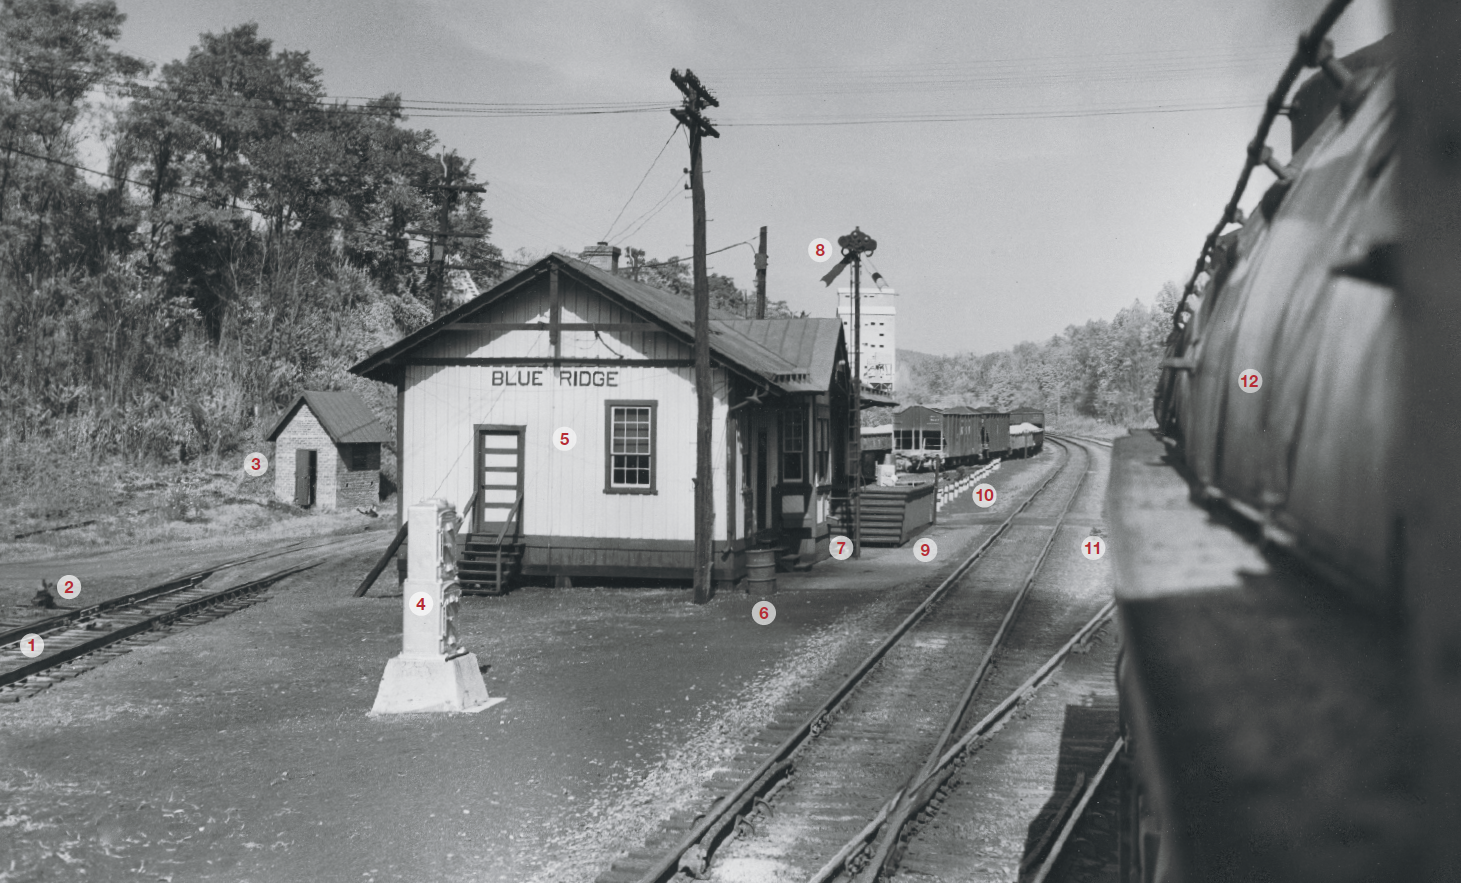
point(577, 305)
point(563, 490)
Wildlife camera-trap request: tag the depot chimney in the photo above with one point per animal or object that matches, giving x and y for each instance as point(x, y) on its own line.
point(603, 256)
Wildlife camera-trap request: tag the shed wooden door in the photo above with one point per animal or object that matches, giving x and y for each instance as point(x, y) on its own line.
point(499, 477)
point(305, 461)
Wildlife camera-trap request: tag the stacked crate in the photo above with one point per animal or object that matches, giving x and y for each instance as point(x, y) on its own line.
point(890, 516)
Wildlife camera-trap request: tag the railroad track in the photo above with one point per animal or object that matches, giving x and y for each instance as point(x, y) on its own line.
point(1103, 442)
point(977, 818)
point(877, 735)
point(76, 641)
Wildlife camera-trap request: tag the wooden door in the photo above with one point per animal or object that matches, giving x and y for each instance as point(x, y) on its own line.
point(305, 461)
point(499, 478)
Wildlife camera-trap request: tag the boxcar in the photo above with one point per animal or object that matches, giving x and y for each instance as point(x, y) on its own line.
point(962, 442)
point(918, 431)
point(994, 429)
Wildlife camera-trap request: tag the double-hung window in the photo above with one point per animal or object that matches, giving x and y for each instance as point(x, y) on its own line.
point(631, 455)
point(793, 446)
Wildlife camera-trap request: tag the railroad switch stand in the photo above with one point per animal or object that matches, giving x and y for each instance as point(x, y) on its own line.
point(433, 672)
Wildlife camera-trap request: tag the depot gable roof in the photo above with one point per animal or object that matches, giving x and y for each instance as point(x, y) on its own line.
point(673, 313)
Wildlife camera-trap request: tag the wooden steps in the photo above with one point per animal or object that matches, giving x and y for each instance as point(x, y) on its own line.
point(485, 568)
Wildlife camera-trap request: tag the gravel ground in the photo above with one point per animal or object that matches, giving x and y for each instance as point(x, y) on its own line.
point(240, 750)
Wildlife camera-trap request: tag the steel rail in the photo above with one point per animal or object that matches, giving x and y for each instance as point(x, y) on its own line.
point(181, 583)
point(922, 791)
point(82, 614)
point(905, 808)
point(668, 865)
point(1074, 819)
point(1104, 442)
point(148, 623)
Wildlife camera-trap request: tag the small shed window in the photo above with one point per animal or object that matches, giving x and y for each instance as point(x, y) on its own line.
point(359, 458)
point(793, 446)
point(631, 455)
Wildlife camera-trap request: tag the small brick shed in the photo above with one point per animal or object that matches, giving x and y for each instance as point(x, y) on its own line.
point(327, 452)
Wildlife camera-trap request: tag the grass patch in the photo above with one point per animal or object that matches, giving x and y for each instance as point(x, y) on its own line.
point(62, 502)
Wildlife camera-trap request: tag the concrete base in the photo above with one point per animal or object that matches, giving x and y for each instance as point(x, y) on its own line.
point(415, 684)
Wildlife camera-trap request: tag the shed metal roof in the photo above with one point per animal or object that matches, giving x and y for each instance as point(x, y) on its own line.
point(809, 344)
point(344, 415)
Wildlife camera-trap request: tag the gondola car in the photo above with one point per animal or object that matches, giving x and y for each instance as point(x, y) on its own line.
point(1261, 535)
point(1029, 425)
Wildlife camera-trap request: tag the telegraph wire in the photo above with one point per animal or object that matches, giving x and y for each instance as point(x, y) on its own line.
point(652, 164)
point(655, 210)
point(196, 197)
point(213, 201)
point(1163, 65)
point(975, 116)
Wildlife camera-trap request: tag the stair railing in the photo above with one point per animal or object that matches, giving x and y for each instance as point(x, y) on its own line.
point(501, 534)
point(467, 510)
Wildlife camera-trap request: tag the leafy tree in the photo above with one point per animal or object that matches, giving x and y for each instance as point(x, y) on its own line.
point(674, 275)
point(254, 255)
point(1102, 369)
point(53, 55)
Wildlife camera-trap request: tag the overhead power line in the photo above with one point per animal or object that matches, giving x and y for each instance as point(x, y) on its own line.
point(972, 116)
point(196, 197)
point(654, 210)
point(807, 82)
point(295, 100)
point(652, 164)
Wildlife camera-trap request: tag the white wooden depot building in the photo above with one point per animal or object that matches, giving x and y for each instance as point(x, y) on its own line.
point(483, 391)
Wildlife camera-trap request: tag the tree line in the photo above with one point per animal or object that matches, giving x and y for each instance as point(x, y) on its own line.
point(1104, 369)
point(184, 248)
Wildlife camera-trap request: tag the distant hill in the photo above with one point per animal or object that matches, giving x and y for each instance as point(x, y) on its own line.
point(913, 357)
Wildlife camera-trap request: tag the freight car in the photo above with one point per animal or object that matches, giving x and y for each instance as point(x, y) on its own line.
point(1264, 535)
point(994, 432)
point(963, 443)
point(918, 435)
point(1027, 431)
point(962, 435)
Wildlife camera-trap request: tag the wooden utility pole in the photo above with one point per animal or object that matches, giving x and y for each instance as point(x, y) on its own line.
point(761, 277)
point(696, 99)
point(436, 260)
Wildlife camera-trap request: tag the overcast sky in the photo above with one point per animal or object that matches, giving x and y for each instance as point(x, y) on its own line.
point(1005, 156)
